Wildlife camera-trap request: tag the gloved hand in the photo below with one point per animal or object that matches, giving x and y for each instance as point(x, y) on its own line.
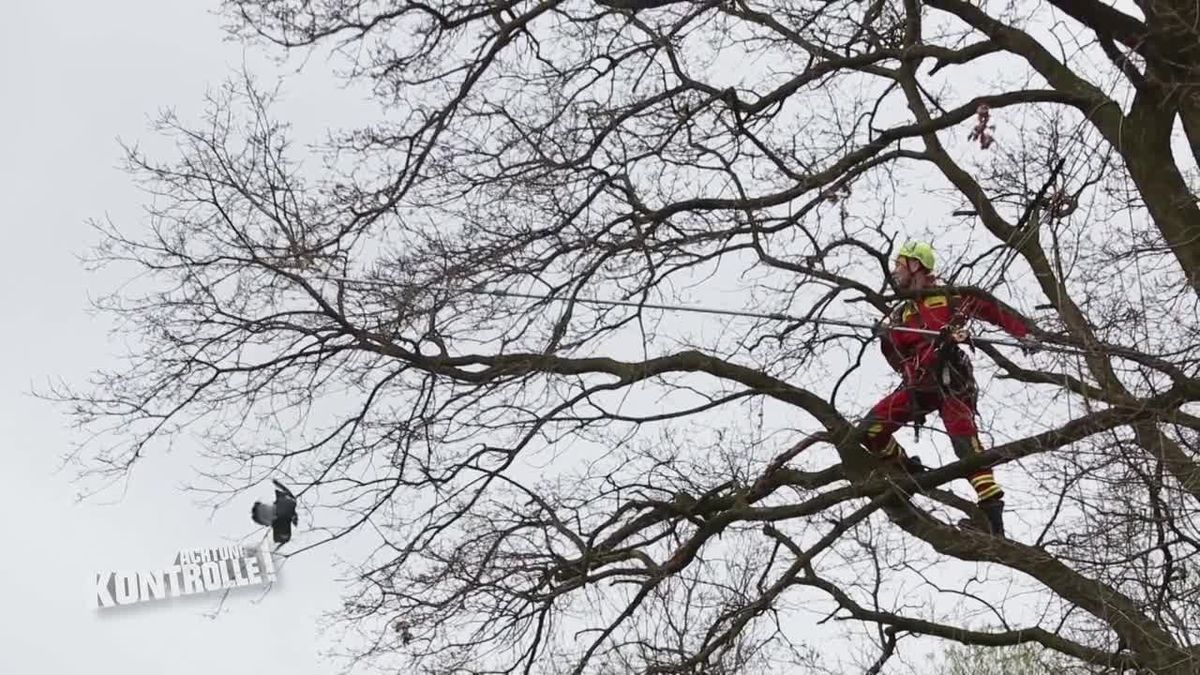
point(1030, 344)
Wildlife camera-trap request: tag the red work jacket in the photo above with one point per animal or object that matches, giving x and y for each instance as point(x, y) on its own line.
point(914, 355)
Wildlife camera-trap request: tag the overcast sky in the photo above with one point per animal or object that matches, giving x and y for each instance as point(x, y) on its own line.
point(75, 76)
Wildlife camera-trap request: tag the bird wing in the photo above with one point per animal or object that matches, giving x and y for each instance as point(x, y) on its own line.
point(281, 488)
point(263, 514)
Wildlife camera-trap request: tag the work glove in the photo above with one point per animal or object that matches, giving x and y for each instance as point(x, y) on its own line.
point(1030, 344)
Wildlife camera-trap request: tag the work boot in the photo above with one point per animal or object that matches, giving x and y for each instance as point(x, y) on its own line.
point(914, 465)
point(993, 512)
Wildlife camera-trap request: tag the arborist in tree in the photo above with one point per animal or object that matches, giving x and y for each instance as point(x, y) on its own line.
point(937, 374)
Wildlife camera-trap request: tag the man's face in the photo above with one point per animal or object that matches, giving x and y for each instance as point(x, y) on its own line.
point(903, 271)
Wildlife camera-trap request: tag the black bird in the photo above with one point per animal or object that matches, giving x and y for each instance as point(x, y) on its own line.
point(280, 516)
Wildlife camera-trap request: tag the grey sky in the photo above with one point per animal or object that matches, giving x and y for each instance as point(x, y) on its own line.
point(73, 77)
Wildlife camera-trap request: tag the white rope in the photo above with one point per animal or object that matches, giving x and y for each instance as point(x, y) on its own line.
point(695, 309)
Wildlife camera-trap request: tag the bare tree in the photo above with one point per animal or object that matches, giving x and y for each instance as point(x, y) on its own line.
point(559, 486)
point(1025, 659)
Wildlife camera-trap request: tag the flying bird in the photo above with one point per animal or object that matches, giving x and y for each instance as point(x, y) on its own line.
point(280, 516)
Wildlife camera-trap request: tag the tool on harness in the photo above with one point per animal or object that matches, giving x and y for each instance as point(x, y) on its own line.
point(952, 368)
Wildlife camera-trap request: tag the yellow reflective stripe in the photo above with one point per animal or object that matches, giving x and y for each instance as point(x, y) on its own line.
point(874, 429)
point(986, 494)
point(936, 301)
point(979, 479)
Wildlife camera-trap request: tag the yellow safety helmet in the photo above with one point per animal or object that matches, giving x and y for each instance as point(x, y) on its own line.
point(920, 251)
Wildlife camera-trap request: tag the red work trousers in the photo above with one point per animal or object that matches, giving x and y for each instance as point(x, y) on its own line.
point(958, 416)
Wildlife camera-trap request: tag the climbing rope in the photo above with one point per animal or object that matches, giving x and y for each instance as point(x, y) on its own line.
point(717, 311)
